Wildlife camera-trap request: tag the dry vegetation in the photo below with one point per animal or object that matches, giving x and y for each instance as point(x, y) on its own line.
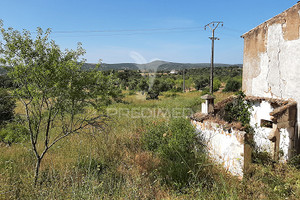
point(113, 164)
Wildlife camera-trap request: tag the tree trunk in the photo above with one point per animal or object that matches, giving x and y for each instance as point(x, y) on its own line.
point(37, 168)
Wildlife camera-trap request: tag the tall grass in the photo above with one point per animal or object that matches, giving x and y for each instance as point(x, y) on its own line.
point(114, 164)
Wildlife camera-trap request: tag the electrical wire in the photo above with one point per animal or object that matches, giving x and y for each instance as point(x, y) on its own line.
point(127, 34)
point(127, 30)
point(130, 32)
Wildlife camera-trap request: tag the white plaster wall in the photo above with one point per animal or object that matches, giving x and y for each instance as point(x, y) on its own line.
point(224, 147)
point(259, 111)
point(284, 144)
point(280, 68)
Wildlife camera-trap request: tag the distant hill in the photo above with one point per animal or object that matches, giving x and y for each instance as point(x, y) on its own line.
point(156, 65)
point(152, 66)
point(118, 66)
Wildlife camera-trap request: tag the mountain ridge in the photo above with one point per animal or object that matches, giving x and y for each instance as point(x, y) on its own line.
point(156, 65)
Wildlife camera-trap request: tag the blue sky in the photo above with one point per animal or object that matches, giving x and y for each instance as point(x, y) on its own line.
point(191, 46)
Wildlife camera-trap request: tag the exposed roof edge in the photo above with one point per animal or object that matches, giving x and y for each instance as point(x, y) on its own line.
point(200, 117)
point(277, 101)
point(224, 102)
point(280, 110)
point(280, 105)
point(269, 20)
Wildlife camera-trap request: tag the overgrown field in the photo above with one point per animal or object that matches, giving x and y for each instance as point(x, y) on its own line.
point(147, 150)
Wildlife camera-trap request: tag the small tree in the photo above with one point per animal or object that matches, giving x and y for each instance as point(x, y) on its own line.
point(201, 83)
point(53, 89)
point(232, 85)
point(154, 92)
point(217, 85)
point(143, 85)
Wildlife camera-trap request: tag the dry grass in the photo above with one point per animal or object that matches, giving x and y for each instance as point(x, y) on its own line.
point(112, 164)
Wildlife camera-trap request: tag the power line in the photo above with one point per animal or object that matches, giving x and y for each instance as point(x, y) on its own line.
point(126, 30)
point(126, 34)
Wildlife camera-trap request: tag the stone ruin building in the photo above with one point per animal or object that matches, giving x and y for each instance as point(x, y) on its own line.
point(271, 79)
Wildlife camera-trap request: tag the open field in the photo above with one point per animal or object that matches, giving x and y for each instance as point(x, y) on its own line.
point(112, 163)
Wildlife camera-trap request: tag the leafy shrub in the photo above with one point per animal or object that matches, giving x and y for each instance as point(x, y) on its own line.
point(178, 89)
point(205, 91)
point(165, 86)
point(174, 142)
point(263, 158)
point(238, 110)
point(217, 85)
point(152, 94)
point(232, 85)
point(6, 82)
point(143, 85)
point(14, 133)
point(133, 85)
point(7, 106)
point(131, 92)
point(201, 83)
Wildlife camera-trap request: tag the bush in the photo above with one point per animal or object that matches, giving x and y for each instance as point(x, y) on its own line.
point(131, 93)
point(263, 158)
point(152, 94)
point(143, 85)
point(7, 106)
point(217, 85)
point(205, 91)
point(165, 86)
point(6, 82)
point(174, 142)
point(201, 83)
point(232, 85)
point(238, 110)
point(14, 133)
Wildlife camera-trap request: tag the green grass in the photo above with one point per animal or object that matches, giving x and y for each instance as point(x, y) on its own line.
point(113, 164)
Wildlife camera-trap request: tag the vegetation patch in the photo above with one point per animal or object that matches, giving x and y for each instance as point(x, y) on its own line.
point(14, 132)
point(175, 142)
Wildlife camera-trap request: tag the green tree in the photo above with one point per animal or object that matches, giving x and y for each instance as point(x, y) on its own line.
point(201, 83)
point(7, 106)
point(164, 86)
point(188, 83)
point(217, 85)
point(232, 85)
point(154, 92)
point(133, 84)
point(53, 89)
point(5, 81)
point(143, 85)
point(14, 132)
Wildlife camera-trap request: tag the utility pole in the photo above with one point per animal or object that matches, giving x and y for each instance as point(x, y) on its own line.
point(213, 26)
point(183, 83)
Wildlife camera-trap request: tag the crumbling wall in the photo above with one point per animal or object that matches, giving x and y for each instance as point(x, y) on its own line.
point(272, 121)
point(260, 111)
point(225, 146)
point(272, 58)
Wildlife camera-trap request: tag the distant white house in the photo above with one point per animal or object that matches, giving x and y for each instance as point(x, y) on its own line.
point(173, 71)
